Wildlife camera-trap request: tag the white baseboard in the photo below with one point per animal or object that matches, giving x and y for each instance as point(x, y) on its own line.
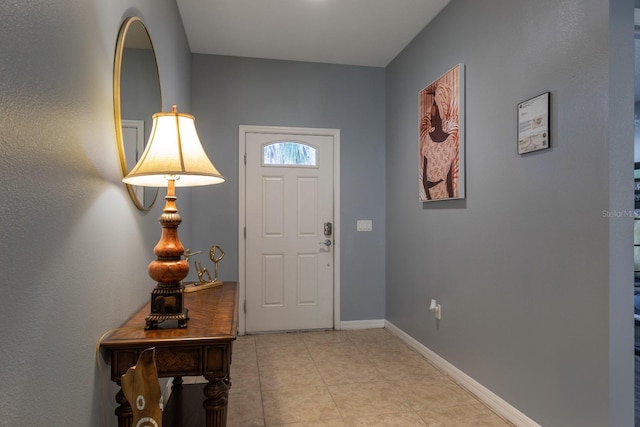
point(489, 398)
point(363, 324)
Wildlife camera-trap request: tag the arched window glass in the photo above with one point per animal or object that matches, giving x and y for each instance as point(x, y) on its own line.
point(289, 153)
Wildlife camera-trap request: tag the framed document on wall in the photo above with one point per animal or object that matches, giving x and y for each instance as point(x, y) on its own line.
point(533, 124)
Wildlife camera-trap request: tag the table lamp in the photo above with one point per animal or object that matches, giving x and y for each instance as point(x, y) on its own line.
point(173, 157)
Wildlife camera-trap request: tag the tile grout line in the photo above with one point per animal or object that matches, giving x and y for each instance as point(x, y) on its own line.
point(326, 386)
point(264, 416)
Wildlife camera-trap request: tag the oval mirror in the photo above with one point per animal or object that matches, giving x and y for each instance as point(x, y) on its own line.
point(137, 97)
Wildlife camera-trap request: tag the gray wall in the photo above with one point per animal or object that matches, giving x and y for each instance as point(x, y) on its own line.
point(230, 91)
point(74, 248)
point(535, 281)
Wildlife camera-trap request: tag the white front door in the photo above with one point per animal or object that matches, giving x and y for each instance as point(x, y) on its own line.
point(289, 246)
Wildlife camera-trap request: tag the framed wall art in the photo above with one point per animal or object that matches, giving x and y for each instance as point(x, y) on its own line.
point(441, 138)
point(533, 124)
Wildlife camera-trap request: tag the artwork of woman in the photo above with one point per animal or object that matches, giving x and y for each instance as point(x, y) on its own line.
point(439, 173)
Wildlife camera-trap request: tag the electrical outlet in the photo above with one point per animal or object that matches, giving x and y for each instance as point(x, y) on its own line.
point(436, 309)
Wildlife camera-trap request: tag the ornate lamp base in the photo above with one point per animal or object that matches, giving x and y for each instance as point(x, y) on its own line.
point(167, 304)
point(168, 270)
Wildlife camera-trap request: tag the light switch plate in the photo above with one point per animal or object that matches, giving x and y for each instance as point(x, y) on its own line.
point(364, 225)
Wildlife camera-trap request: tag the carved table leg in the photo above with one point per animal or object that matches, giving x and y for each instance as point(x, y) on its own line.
point(124, 412)
point(177, 383)
point(217, 397)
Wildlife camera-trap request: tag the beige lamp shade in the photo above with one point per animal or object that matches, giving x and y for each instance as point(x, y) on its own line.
point(173, 152)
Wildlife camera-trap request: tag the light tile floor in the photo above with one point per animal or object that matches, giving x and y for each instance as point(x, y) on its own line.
point(344, 378)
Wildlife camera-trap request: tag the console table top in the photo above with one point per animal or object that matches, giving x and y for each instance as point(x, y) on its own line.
point(213, 317)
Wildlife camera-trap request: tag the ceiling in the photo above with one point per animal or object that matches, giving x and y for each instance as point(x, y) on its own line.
point(351, 32)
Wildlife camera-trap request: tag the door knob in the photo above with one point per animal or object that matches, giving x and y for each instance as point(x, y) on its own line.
point(326, 242)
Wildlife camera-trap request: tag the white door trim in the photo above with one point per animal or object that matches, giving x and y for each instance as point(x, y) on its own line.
point(243, 130)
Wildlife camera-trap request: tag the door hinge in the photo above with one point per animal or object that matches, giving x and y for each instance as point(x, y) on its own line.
point(245, 233)
point(244, 307)
point(245, 159)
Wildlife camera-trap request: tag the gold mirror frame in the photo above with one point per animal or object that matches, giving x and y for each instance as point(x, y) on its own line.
point(133, 33)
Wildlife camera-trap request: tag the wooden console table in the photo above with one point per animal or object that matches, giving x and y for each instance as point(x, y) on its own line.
point(203, 348)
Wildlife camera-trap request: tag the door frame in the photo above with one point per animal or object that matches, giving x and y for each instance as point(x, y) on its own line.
point(243, 130)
